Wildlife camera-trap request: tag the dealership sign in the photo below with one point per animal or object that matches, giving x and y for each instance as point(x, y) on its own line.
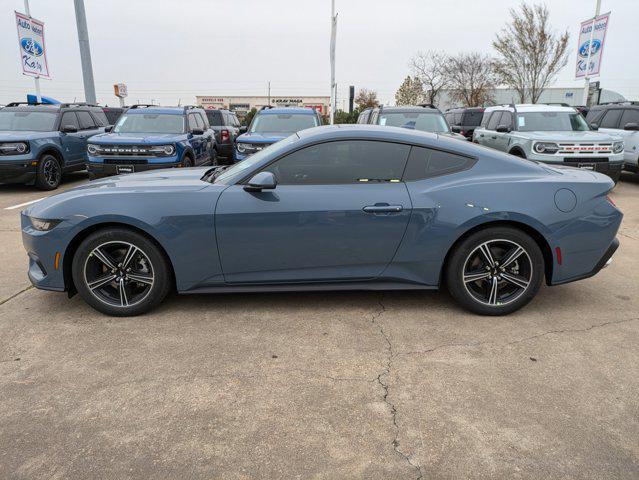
point(595, 30)
point(33, 54)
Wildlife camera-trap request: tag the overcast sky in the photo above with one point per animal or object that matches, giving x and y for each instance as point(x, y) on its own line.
point(173, 50)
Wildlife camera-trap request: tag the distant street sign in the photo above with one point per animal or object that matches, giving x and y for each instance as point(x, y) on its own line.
point(120, 90)
point(33, 54)
point(590, 46)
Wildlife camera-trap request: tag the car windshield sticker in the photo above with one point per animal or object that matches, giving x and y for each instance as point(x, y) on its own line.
point(521, 121)
point(382, 121)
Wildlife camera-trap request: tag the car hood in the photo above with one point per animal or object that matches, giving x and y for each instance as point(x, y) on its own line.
point(27, 135)
point(168, 180)
point(588, 136)
point(136, 138)
point(263, 137)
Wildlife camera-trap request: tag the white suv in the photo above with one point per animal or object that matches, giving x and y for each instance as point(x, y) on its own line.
point(550, 134)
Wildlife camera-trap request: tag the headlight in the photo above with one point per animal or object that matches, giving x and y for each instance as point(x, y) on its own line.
point(242, 147)
point(167, 150)
point(42, 224)
point(544, 147)
point(617, 147)
point(92, 149)
point(13, 148)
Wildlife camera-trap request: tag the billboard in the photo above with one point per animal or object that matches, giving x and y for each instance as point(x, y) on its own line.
point(584, 67)
point(33, 54)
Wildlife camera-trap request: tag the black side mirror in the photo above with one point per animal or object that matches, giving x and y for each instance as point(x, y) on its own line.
point(108, 128)
point(197, 131)
point(503, 129)
point(631, 126)
point(261, 181)
point(455, 128)
point(594, 126)
point(243, 129)
point(69, 129)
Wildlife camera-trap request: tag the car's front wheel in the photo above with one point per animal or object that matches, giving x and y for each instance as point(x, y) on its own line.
point(120, 272)
point(49, 173)
point(495, 271)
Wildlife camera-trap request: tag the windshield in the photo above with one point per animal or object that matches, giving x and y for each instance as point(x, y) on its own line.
point(150, 123)
point(27, 121)
point(283, 122)
point(551, 122)
point(238, 170)
point(426, 122)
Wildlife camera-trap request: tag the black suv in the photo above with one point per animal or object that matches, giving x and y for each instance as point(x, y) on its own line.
point(424, 117)
point(227, 128)
point(622, 120)
point(464, 120)
point(38, 143)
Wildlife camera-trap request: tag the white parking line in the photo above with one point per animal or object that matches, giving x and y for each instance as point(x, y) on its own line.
point(13, 207)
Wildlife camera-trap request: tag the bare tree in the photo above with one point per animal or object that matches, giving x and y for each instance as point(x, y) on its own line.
point(530, 54)
point(471, 79)
point(430, 68)
point(366, 99)
point(410, 92)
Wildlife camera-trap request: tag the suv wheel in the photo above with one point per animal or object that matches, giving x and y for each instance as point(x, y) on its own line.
point(49, 173)
point(120, 272)
point(495, 271)
point(187, 162)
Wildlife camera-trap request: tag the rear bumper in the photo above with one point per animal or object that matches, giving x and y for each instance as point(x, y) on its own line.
point(603, 262)
point(17, 172)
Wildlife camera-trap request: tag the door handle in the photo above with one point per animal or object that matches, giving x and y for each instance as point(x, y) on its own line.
point(383, 208)
point(494, 138)
point(481, 134)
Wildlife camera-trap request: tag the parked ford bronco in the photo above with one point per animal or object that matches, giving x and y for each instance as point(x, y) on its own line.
point(39, 143)
point(270, 125)
point(424, 117)
point(550, 134)
point(226, 127)
point(149, 137)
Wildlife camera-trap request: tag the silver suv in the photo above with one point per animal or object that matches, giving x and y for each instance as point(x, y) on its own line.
point(550, 134)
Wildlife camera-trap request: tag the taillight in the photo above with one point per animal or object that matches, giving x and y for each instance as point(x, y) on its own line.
point(609, 198)
point(225, 135)
point(462, 132)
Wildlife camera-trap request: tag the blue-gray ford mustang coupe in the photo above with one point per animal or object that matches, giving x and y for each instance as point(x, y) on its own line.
point(334, 207)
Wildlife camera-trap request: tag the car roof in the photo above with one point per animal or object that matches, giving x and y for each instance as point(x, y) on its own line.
point(286, 110)
point(155, 110)
point(466, 109)
point(529, 107)
point(409, 109)
point(606, 106)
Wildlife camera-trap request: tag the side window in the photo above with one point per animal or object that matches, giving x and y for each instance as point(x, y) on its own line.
point(610, 119)
point(630, 115)
point(100, 118)
point(494, 121)
point(342, 162)
point(192, 122)
point(426, 163)
point(69, 118)
point(86, 120)
point(236, 122)
point(457, 119)
point(202, 121)
point(506, 119)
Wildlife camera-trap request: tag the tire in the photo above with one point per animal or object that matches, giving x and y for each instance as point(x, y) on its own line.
point(499, 289)
point(616, 177)
point(187, 162)
point(49, 173)
point(106, 251)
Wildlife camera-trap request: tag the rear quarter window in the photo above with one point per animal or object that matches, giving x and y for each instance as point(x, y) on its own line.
point(426, 163)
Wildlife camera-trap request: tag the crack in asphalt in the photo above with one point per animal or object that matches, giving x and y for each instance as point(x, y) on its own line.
point(521, 340)
point(2, 302)
point(627, 235)
point(381, 380)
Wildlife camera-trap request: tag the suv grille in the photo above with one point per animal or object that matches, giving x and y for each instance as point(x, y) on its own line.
point(585, 148)
point(128, 151)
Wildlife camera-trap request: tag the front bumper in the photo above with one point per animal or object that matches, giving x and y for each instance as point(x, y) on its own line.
point(610, 165)
point(104, 167)
point(18, 171)
point(42, 248)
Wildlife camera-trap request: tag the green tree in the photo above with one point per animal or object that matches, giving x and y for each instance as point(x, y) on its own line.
point(344, 117)
point(410, 92)
point(249, 116)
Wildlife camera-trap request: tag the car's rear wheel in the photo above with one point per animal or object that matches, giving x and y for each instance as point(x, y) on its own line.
point(120, 272)
point(49, 173)
point(495, 271)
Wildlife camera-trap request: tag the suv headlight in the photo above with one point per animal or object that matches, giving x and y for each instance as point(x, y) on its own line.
point(167, 150)
point(14, 148)
point(92, 149)
point(617, 147)
point(242, 147)
point(43, 225)
point(545, 147)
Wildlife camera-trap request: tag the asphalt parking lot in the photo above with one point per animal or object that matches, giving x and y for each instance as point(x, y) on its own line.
point(321, 385)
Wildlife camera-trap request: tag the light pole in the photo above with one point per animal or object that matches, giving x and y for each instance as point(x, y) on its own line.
point(592, 33)
point(85, 52)
point(333, 40)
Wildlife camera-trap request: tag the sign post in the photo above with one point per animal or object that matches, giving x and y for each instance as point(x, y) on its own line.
point(33, 55)
point(121, 92)
point(592, 35)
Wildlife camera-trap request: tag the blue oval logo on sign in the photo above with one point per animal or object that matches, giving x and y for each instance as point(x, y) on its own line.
point(32, 47)
point(583, 49)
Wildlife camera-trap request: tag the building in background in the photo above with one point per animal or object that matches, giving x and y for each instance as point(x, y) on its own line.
point(241, 105)
point(570, 96)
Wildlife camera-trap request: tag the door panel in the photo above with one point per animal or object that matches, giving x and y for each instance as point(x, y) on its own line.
point(305, 233)
point(74, 144)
